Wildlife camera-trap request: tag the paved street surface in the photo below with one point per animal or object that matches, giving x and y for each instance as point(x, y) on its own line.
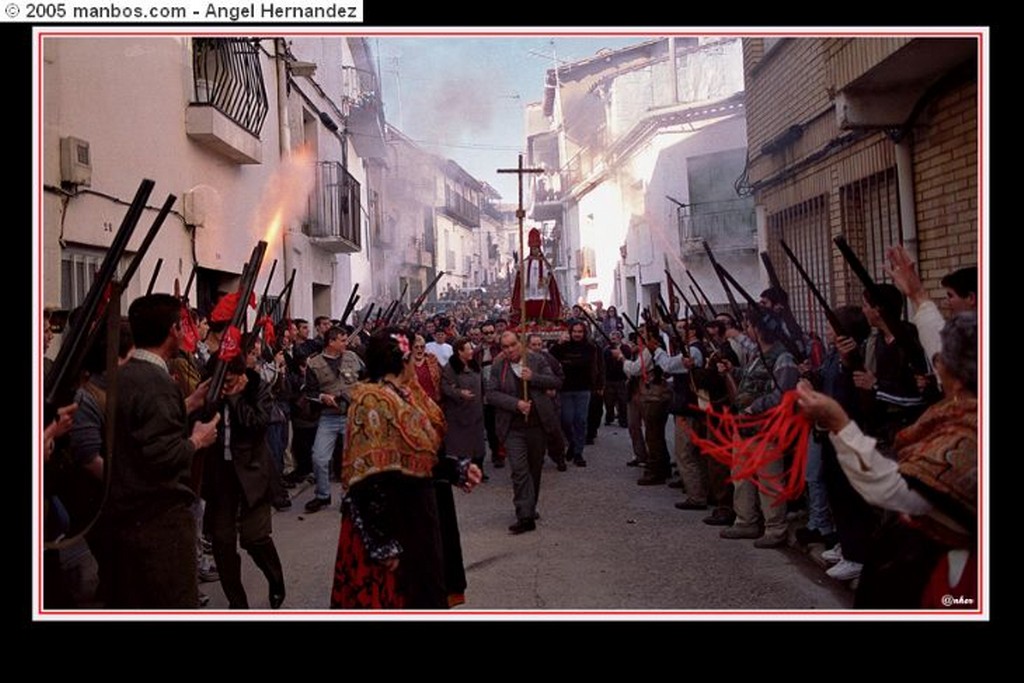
point(602, 544)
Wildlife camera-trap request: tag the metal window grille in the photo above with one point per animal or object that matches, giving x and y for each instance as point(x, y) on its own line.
point(334, 205)
point(228, 75)
point(805, 229)
point(871, 223)
point(78, 268)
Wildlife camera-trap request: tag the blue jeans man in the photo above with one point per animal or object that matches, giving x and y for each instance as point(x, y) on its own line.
point(330, 428)
point(575, 405)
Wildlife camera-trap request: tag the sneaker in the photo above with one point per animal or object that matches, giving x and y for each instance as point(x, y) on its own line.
point(833, 554)
point(845, 570)
point(318, 504)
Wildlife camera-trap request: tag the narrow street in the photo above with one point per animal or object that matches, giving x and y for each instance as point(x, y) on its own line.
point(602, 544)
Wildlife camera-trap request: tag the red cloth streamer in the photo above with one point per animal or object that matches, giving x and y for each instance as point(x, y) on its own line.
point(268, 330)
point(189, 333)
point(225, 308)
point(772, 434)
point(230, 344)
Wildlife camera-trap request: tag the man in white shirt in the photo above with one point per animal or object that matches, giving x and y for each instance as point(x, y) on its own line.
point(440, 347)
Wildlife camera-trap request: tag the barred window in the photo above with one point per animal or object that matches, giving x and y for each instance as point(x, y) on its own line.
point(871, 223)
point(805, 229)
point(334, 212)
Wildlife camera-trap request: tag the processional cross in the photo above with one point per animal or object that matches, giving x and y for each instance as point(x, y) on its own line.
point(521, 214)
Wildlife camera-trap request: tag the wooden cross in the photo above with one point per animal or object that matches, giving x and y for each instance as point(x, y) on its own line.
point(521, 214)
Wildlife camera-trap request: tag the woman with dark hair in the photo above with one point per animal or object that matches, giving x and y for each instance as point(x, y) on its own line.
point(932, 485)
point(463, 403)
point(390, 551)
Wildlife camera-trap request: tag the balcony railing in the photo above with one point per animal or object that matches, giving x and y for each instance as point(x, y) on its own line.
point(461, 209)
point(228, 76)
point(334, 220)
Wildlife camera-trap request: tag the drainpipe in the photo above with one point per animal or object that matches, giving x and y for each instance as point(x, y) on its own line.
point(908, 208)
point(285, 144)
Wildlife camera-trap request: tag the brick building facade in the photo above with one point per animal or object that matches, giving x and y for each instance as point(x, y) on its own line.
point(872, 138)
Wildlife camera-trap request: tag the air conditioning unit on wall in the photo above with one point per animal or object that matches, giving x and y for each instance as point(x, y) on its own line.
point(75, 161)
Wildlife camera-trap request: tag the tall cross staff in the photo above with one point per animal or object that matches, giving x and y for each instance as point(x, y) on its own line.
point(521, 214)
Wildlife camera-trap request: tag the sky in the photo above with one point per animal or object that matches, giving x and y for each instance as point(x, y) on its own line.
point(463, 97)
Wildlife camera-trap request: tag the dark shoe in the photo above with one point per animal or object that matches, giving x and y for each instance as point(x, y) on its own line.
point(579, 462)
point(675, 484)
point(805, 536)
point(719, 520)
point(536, 516)
point(651, 480)
point(735, 532)
point(498, 464)
point(318, 504)
point(287, 483)
point(691, 505)
point(522, 526)
point(484, 477)
point(770, 542)
point(633, 463)
point(561, 466)
point(276, 596)
point(283, 503)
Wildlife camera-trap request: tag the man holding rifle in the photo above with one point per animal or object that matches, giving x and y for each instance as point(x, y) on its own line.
point(153, 530)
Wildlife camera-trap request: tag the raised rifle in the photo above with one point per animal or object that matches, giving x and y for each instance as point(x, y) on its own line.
point(704, 296)
point(245, 290)
point(285, 296)
point(422, 297)
point(188, 283)
point(787, 312)
point(895, 325)
point(665, 314)
point(854, 359)
point(596, 325)
point(79, 338)
point(700, 306)
point(350, 304)
point(736, 310)
point(152, 279)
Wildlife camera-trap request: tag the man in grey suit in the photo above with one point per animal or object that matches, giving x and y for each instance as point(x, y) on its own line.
point(522, 424)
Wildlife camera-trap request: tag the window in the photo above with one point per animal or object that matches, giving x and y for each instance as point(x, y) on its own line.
point(335, 207)
point(871, 223)
point(78, 268)
point(805, 229)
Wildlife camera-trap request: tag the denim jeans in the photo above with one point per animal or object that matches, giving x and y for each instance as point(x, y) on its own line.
point(277, 441)
point(575, 405)
point(328, 431)
point(819, 516)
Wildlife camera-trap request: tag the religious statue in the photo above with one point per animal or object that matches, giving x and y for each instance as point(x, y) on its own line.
point(543, 302)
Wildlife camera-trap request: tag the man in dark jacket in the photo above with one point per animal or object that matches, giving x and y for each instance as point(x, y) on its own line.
point(522, 423)
point(152, 552)
point(237, 482)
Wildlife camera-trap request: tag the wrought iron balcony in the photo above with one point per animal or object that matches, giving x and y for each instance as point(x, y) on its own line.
point(461, 209)
point(334, 220)
point(228, 76)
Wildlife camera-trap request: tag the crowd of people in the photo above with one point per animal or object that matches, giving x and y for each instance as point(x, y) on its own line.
point(402, 414)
